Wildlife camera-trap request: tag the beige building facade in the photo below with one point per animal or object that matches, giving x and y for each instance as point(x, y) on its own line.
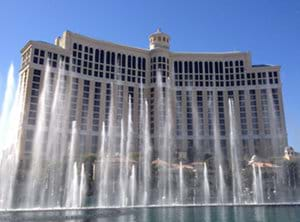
point(100, 75)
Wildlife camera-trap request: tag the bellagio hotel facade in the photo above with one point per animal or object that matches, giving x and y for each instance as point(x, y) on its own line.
point(99, 72)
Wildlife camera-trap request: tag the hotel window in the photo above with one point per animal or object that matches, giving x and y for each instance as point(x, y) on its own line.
point(265, 111)
point(176, 67)
point(216, 67)
point(178, 113)
point(196, 67)
point(221, 67)
point(190, 67)
point(74, 94)
point(96, 108)
point(185, 67)
point(34, 97)
point(243, 116)
point(221, 113)
point(38, 57)
point(206, 67)
point(275, 104)
point(189, 113)
point(210, 67)
point(85, 105)
point(200, 112)
point(210, 111)
point(107, 104)
point(254, 114)
point(108, 57)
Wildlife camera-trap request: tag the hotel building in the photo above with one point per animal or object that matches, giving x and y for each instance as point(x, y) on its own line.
point(99, 72)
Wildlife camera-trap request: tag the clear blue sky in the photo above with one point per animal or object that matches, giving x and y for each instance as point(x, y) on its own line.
point(270, 29)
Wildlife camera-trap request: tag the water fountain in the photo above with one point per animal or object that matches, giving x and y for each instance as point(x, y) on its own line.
point(235, 156)
point(9, 124)
point(258, 193)
point(82, 187)
point(132, 185)
point(146, 158)
point(222, 186)
point(181, 184)
point(206, 185)
point(58, 176)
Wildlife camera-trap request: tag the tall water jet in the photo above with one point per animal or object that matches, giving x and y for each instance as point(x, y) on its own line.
point(107, 152)
point(258, 194)
point(132, 185)
point(260, 185)
point(10, 117)
point(129, 143)
point(82, 186)
point(147, 152)
point(44, 179)
point(218, 158)
point(72, 199)
point(110, 153)
point(195, 188)
point(234, 153)
point(7, 104)
point(122, 175)
point(181, 183)
point(254, 185)
point(169, 137)
point(103, 159)
point(222, 186)
point(70, 168)
point(166, 140)
point(161, 142)
point(32, 183)
point(141, 145)
point(206, 185)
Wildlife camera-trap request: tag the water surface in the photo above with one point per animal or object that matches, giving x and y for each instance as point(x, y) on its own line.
point(171, 214)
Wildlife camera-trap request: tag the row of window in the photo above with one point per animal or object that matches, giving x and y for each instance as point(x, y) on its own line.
point(227, 80)
point(100, 63)
point(208, 67)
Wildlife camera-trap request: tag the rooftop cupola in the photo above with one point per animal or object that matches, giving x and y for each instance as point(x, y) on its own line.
point(159, 39)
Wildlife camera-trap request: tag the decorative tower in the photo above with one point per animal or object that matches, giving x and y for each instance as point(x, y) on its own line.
point(159, 39)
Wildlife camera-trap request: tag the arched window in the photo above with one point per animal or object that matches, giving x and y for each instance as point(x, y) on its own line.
point(129, 61)
point(108, 57)
point(97, 55)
